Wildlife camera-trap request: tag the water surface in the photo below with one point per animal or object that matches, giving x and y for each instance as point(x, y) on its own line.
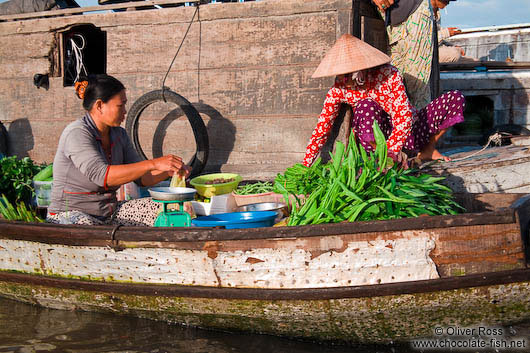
point(26, 328)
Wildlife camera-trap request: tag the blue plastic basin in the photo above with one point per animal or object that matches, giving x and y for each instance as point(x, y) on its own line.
point(233, 220)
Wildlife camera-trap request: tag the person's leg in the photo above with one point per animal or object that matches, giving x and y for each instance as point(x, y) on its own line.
point(136, 212)
point(434, 120)
point(449, 54)
point(364, 114)
point(429, 151)
point(73, 217)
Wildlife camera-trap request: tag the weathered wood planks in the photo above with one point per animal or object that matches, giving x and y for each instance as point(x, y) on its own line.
point(246, 66)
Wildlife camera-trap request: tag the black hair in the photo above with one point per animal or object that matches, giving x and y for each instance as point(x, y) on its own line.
point(102, 87)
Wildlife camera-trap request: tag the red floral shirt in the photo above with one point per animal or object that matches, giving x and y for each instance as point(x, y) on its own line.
point(384, 85)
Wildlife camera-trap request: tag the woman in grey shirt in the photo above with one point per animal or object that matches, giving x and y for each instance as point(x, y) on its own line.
point(95, 157)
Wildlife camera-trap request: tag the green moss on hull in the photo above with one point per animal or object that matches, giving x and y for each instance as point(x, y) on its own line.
point(357, 320)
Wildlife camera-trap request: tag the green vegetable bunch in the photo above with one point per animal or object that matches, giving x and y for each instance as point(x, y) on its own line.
point(299, 179)
point(45, 174)
point(357, 186)
point(18, 213)
point(259, 187)
point(15, 178)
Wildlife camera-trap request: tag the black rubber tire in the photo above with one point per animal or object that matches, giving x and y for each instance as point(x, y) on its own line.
point(3, 139)
point(198, 162)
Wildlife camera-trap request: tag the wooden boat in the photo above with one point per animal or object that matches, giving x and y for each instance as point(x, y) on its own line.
point(245, 67)
point(494, 169)
point(366, 282)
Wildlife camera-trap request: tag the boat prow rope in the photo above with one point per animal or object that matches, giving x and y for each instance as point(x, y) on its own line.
point(496, 138)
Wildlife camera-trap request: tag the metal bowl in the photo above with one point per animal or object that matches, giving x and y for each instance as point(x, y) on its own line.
point(280, 208)
point(164, 193)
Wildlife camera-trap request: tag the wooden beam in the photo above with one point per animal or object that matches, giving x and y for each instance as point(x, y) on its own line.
point(80, 10)
point(487, 65)
point(90, 235)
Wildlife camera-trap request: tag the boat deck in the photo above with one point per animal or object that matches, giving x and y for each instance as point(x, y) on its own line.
point(494, 169)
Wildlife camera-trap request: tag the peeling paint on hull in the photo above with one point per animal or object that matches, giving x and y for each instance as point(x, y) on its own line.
point(395, 318)
point(282, 266)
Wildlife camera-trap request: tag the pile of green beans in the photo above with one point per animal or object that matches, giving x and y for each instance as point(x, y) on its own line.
point(357, 186)
point(259, 187)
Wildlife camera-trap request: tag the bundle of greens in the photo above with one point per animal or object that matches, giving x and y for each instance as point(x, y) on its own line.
point(16, 176)
point(299, 179)
point(18, 213)
point(357, 186)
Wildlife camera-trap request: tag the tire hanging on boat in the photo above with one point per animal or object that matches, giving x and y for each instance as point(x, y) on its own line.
point(3, 140)
point(200, 132)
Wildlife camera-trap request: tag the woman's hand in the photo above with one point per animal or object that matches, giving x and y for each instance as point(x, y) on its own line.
point(400, 158)
point(383, 4)
point(164, 167)
point(150, 171)
point(185, 171)
point(171, 164)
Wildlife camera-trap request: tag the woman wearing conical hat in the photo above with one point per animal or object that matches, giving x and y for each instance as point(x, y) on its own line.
point(375, 91)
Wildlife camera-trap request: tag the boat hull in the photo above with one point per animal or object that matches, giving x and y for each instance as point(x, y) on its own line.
point(349, 282)
point(343, 314)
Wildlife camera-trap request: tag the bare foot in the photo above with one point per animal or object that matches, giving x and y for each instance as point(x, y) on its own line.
point(435, 155)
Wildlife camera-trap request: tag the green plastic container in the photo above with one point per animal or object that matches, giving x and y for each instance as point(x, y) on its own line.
point(209, 190)
point(43, 192)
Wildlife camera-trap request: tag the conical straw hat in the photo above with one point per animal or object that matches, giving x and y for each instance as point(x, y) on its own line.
point(349, 54)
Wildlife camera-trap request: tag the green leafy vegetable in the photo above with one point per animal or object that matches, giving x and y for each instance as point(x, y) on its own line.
point(259, 187)
point(16, 176)
point(18, 213)
point(254, 188)
point(357, 186)
point(299, 179)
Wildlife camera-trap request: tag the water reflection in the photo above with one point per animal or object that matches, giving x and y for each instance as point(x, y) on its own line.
point(26, 328)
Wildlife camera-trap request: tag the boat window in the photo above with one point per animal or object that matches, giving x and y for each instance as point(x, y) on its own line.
point(478, 121)
point(83, 52)
point(478, 116)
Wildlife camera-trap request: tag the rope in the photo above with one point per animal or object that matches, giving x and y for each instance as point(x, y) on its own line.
point(178, 50)
point(496, 138)
point(78, 54)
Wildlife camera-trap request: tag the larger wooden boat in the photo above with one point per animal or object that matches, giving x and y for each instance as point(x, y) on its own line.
point(245, 66)
point(495, 169)
point(363, 282)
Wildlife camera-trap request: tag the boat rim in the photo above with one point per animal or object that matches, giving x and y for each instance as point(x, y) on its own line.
point(327, 293)
point(101, 235)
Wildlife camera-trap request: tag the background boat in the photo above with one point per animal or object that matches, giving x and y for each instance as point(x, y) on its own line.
point(245, 67)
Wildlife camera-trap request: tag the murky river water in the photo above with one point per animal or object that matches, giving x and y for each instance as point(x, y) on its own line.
point(27, 328)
